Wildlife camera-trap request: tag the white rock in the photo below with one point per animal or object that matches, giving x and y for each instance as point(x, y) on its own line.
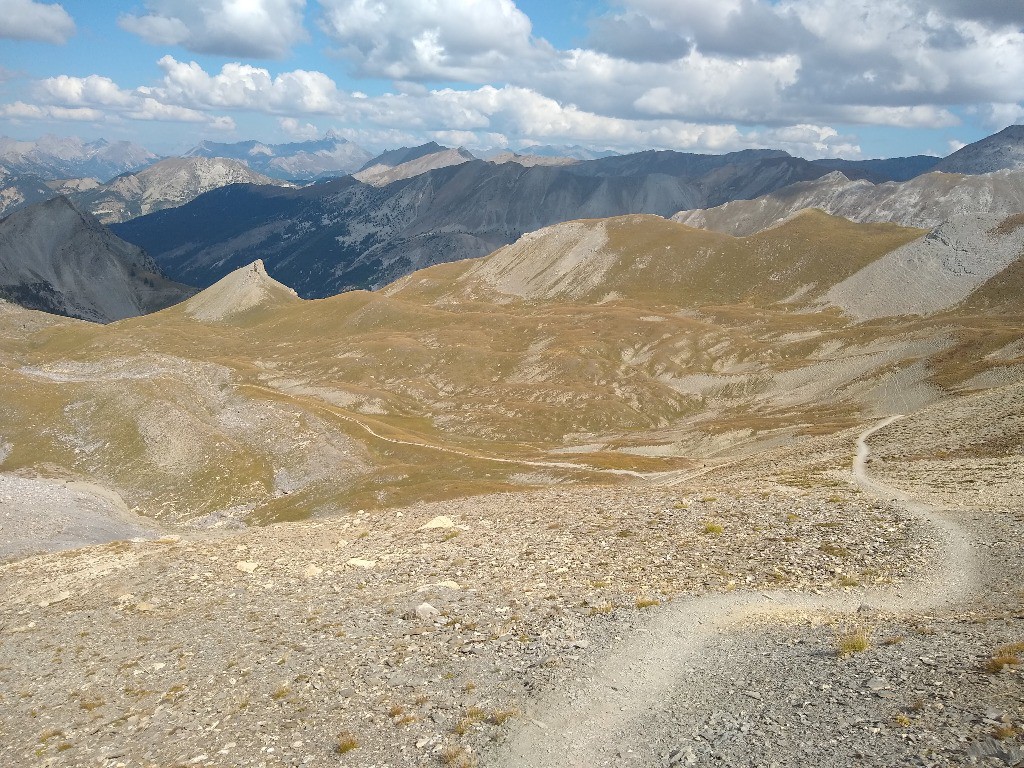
point(246, 566)
point(438, 522)
point(358, 563)
point(312, 571)
point(426, 612)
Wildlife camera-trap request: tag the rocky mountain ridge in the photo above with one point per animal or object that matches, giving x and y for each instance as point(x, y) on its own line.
point(405, 163)
point(998, 152)
point(58, 259)
point(53, 157)
point(295, 161)
point(164, 184)
point(925, 201)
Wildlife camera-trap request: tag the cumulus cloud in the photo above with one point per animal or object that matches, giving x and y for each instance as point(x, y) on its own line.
point(998, 116)
point(19, 110)
point(243, 86)
point(1008, 12)
point(700, 75)
point(251, 28)
point(901, 62)
point(446, 40)
point(30, 20)
point(93, 90)
point(298, 130)
point(96, 97)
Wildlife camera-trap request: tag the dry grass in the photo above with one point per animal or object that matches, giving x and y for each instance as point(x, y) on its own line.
point(1004, 657)
point(457, 757)
point(90, 704)
point(1004, 731)
point(473, 716)
point(713, 528)
point(647, 602)
point(501, 716)
point(855, 641)
point(345, 742)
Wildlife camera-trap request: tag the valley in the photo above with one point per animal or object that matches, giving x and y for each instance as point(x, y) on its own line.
point(739, 485)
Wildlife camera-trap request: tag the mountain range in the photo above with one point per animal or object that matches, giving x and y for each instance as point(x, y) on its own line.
point(201, 218)
point(924, 201)
point(53, 157)
point(301, 160)
point(343, 234)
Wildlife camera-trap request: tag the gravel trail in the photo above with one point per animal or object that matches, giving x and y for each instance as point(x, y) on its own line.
point(608, 716)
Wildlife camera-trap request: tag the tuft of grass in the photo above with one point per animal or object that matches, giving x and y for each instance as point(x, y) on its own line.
point(1004, 656)
point(601, 609)
point(647, 602)
point(90, 704)
point(457, 757)
point(713, 528)
point(835, 551)
point(345, 742)
point(848, 580)
point(901, 720)
point(281, 692)
point(1004, 731)
point(396, 710)
point(855, 641)
point(501, 716)
point(450, 534)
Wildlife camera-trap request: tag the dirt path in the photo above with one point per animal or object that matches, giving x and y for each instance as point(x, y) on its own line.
point(340, 414)
point(601, 720)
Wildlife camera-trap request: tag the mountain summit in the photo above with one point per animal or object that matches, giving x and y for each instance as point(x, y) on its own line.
point(245, 289)
point(165, 184)
point(58, 259)
point(999, 152)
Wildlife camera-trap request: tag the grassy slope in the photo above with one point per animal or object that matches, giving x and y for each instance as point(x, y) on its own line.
point(428, 389)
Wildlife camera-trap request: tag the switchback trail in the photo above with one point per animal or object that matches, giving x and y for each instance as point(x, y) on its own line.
point(601, 720)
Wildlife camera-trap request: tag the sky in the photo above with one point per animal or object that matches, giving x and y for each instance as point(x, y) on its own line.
point(817, 78)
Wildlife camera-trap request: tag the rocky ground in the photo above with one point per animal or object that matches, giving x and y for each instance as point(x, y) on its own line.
point(432, 635)
point(415, 635)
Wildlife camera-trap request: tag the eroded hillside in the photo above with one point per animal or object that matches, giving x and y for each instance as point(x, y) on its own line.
point(596, 351)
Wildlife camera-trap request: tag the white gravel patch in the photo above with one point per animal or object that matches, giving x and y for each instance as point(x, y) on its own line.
point(38, 515)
